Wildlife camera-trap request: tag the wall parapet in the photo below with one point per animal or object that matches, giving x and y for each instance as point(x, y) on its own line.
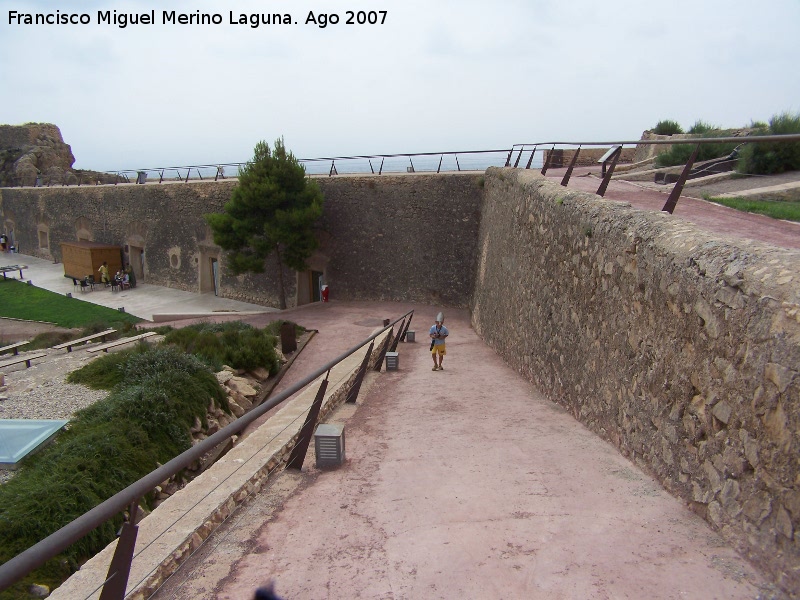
point(679, 347)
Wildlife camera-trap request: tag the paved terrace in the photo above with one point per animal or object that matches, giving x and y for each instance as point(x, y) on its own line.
point(463, 483)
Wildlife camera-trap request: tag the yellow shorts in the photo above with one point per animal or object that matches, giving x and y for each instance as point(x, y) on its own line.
point(439, 349)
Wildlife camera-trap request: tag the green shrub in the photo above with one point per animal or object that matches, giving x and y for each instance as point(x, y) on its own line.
point(679, 154)
point(773, 157)
point(667, 127)
point(105, 372)
point(157, 395)
point(234, 343)
point(700, 127)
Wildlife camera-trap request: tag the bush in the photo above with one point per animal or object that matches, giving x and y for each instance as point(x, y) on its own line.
point(667, 127)
point(106, 372)
point(679, 154)
point(769, 158)
point(234, 343)
point(700, 127)
point(145, 421)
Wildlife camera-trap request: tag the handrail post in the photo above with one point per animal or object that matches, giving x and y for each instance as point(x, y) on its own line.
point(405, 331)
point(120, 568)
point(396, 340)
point(547, 162)
point(568, 174)
point(352, 393)
point(508, 158)
point(382, 353)
point(601, 191)
point(519, 156)
point(439, 168)
point(530, 160)
point(672, 201)
point(298, 454)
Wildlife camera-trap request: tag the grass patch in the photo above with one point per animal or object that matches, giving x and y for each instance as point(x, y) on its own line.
point(21, 301)
point(789, 211)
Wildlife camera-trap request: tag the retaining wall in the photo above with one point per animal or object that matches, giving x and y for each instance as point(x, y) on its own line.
point(680, 348)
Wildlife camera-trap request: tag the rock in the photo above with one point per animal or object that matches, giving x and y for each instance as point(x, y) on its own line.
point(722, 411)
point(779, 375)
point(37, 590)
point(241, 385)
point(235, 408)
point(197, 427)
point(241, 401)
point(31, 149)
point(260, 373)
point(223, 376)
point(783, 523)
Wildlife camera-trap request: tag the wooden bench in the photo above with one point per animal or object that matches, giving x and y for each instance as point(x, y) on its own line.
point(68, 345)
point(14, 347)
point(22, 359)
point(121, 341)
point(12, 268)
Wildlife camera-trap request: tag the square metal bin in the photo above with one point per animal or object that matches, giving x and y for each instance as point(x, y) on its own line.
point(392, 361)
point(410, 335)
point(329, 445)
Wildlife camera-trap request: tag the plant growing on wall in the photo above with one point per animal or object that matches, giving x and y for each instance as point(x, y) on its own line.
point(272, 210)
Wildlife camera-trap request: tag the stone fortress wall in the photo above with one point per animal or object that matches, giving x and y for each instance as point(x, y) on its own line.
point(679, 347)
point(382, 238)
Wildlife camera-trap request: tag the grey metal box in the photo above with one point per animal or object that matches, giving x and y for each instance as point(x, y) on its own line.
point(329, 445)
point(410, 336)
point(392, 361)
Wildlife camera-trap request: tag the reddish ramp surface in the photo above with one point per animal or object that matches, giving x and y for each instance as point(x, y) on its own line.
point(464, 483)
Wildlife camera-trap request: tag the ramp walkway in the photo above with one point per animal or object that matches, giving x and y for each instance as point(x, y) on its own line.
point(461, 483)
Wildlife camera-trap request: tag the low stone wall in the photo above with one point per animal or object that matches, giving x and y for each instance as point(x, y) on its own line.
point(680, 348)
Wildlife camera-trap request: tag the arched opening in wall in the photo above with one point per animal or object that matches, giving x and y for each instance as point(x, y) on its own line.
point(8, 228)
point(309, 283)
point(209, 270)
point(44, 238)
point(136, 261)
point(83, 229)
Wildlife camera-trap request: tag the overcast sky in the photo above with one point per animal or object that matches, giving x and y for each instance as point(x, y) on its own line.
point(438, 75)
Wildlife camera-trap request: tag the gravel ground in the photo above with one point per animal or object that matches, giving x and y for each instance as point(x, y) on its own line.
point(42, 392)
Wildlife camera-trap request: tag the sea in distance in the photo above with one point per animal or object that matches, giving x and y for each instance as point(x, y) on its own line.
point(419, 163)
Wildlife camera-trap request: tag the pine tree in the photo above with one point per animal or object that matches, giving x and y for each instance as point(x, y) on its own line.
point(273, 209)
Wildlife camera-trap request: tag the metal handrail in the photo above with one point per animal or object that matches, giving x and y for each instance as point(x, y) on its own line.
point(16, 568)
point(789, 137)
point(613, 155)
point(122, 174)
